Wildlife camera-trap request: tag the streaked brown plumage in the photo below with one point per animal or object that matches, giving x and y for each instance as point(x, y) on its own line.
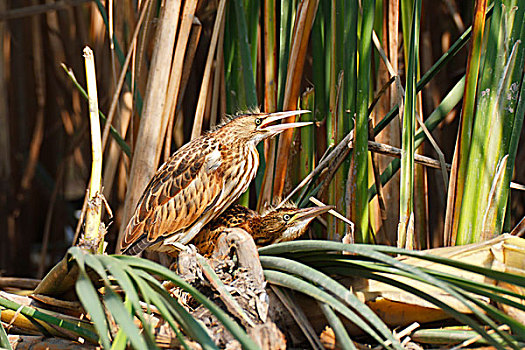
point(199, 181)
point(276, 225)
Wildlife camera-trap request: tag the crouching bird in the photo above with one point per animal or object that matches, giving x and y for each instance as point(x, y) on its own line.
point(273, 226)
point(199, 181)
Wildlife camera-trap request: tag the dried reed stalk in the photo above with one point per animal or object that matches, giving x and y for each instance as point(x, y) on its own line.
point(199, 112)
point(193, 43)
point(302, 28)
point(149, 138)
point(92, 232)
point(122, 76)
point(217, 73)
point(113, 156)
point(39, 9)
point(177, 69)
point(270, 98)
point(5, 143)
point(38, 131)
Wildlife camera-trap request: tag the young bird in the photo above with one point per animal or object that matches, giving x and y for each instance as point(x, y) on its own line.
point(275, 225)
point(199, 181)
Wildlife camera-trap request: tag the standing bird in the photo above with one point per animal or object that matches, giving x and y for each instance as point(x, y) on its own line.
point(276, 225)
point(199, 181)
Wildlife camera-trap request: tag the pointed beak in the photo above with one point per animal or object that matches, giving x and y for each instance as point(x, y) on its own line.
point(273, 117)
point(310, 213)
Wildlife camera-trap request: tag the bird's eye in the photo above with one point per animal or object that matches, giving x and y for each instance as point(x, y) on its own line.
point(286, 217)
point(258, 121)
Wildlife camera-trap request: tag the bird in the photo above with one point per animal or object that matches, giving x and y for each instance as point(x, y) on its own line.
point(199, 181)
point(275, 225)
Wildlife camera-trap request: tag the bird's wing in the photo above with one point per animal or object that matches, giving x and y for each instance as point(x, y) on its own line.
point(181, 191)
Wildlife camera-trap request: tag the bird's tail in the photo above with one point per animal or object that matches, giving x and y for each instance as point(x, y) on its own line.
point(138, 246)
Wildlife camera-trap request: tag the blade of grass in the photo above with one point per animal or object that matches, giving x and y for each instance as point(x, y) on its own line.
point(406, 190)
point(343, 339)
point(458, 315)
point(481, 289)
point(88, 296)
point(494, 119)
point(439, 114)
point(151, 267)
point(431, 73)
point(121, 339)
point(307, 154)
point(246, 89)
point(171, 310)
point(449, 336)
point(319, 66)
point(513, 121)
point(248, 98)
point(370, 252)
point(344, 57)
point(294, 283)
point(4, 340)
point(483, 306)
point(330, 285)
point(252, 21)
point(286, 25)
point(516, 133)
point(124, 320)
point(459, 161)
point(77, 328)
point(218, 81)
point(336, 185)
point(350, 87)
point(359, 185)
point(299, 316)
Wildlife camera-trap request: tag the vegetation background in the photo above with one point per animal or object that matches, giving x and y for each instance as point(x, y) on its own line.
point(44, 132)
point(384, 76)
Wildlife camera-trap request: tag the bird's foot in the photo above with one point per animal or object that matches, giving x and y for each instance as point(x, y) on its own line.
point(187, 248)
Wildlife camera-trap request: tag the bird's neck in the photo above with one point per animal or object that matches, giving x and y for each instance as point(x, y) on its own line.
point(234, 144)
point(231, 146)
point(259, 232)
point(236, 138)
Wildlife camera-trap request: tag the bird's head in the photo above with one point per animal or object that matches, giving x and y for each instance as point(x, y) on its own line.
point(286, 223)
point(255, 127)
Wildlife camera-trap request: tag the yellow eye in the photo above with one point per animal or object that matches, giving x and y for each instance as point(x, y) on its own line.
point(258, 121)
point(286, 217)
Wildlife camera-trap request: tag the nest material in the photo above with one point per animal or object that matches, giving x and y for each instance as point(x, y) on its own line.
point(242, 279)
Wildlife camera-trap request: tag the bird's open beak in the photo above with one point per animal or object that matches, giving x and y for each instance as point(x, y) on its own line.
point(281, 127)
point(310, 213)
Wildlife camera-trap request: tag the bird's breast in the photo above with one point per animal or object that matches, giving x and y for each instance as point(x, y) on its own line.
point(238, 168)
point(213, 160)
